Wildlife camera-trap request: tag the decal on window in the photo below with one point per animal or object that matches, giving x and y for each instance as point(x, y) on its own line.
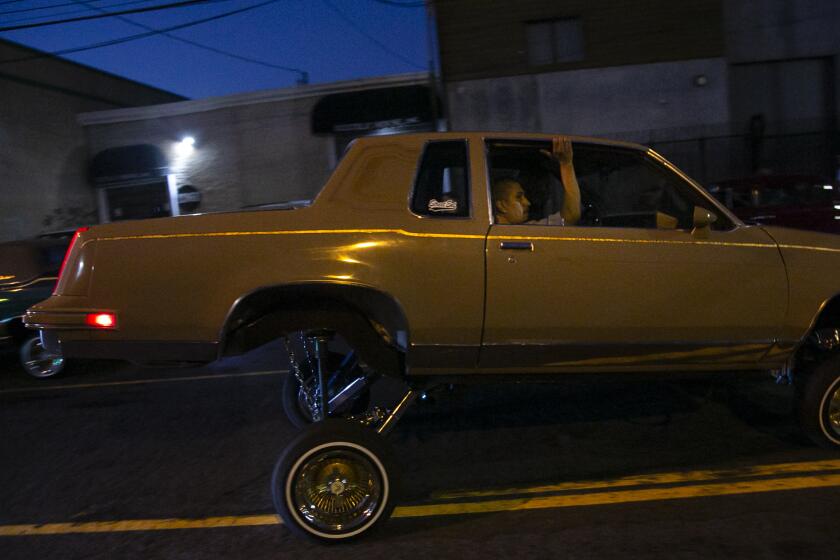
point(443, 205)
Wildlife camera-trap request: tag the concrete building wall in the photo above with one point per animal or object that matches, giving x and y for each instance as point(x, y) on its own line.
point(243, 155)
point(252, 148)
point(42, 161)
point(766, 96)
point(806, 31)
point(489, 38)
point(639, 102)
point(43, 153)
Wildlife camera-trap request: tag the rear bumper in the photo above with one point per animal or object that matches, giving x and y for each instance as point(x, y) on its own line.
point(141, 352)
point(67, 332)
point(77, 344)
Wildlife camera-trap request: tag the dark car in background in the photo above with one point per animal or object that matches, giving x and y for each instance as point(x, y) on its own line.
point(28, 272)
point(796, 201)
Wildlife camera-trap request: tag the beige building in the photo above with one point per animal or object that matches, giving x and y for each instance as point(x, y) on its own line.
point(225, 153)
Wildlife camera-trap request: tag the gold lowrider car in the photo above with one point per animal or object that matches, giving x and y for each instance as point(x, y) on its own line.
point(438, 257)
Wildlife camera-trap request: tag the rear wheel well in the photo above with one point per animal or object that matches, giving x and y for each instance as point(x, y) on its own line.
point(371, 322)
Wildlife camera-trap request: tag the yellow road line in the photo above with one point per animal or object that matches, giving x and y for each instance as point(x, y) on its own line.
point(142, 381)
point(626, 496)
point(137, 525)
point(440, 509)
point(661, 478)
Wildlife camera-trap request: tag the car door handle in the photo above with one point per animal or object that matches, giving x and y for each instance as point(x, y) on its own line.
point(517, 245)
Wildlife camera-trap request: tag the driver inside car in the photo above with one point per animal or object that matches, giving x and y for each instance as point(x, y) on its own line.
point(511, 205)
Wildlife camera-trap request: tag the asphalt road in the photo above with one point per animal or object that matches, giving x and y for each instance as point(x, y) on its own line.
point(114, 461)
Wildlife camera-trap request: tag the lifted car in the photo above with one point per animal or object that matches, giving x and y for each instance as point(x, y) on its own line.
point(437, 258)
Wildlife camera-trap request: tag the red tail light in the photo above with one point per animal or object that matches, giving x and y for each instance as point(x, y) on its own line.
point(70, 248)
point(102, 320)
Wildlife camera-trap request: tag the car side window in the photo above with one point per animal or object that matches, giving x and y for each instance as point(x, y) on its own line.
point(626, 188)
point(441, 189)
point(526, 171)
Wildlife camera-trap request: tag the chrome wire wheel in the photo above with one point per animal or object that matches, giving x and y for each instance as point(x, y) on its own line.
point(37, 361)
point(819, 403)
point(337, 490)
point(832, 404)
point(335, 481)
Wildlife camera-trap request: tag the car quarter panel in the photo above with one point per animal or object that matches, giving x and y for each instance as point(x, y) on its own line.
point(178, 279)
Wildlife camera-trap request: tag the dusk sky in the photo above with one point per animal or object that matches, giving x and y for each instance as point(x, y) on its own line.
point(330, 39)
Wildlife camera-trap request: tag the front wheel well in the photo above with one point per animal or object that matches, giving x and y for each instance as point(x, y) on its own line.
point(371, 322)
point(816, 344)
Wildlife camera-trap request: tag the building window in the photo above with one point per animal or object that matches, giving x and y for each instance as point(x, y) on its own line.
point(553, 41)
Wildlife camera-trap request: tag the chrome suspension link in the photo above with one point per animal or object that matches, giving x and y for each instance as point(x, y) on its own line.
point(306, 384)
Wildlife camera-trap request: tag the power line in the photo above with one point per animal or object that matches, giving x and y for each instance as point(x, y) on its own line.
point(80, 10)
point(182, 4)
point(303, 76)
point(39, 8)
point(371, 38)
point(397, 4)
point(77, 11)
point(137, 36)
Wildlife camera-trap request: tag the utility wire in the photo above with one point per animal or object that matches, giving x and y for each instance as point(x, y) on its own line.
point(33, 18)
point(303, 75)
point(78, 11)
point(48, 7)
point(135, 37)
point(397, 4)
point(10, 2)
point(370, 37)
point(182, 4)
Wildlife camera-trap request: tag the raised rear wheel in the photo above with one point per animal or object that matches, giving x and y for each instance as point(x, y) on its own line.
point(334, 482)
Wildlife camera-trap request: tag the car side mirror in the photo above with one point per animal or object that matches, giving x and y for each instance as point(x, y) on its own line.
point(703, 220)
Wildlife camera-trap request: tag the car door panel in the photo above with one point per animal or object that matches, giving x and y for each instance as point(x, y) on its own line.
point(618, 298)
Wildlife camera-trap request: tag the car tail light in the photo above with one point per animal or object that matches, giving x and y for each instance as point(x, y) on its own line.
point(70, 249)
point(102, 320)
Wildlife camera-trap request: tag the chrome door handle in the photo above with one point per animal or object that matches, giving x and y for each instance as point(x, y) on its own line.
point(517, 245)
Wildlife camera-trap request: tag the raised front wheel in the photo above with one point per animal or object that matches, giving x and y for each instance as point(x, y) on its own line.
point(819, 404)
point(334, 482)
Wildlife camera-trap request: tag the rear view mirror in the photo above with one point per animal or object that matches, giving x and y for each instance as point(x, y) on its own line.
point(703, 220)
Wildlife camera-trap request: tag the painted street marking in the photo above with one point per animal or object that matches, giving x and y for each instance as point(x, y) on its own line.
point(141, 381)
point(714, 483)
point(626, 496)
point(651, 479)
point(137, 525)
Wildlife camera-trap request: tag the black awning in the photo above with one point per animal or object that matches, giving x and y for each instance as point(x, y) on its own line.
point(128, 163)
point(373, 109)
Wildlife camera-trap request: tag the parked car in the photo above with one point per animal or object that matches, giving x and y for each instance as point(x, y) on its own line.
point(431, 258)
point(28, 273)
point(797, 201)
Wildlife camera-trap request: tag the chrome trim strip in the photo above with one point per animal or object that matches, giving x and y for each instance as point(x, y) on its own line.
point(460, 236)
